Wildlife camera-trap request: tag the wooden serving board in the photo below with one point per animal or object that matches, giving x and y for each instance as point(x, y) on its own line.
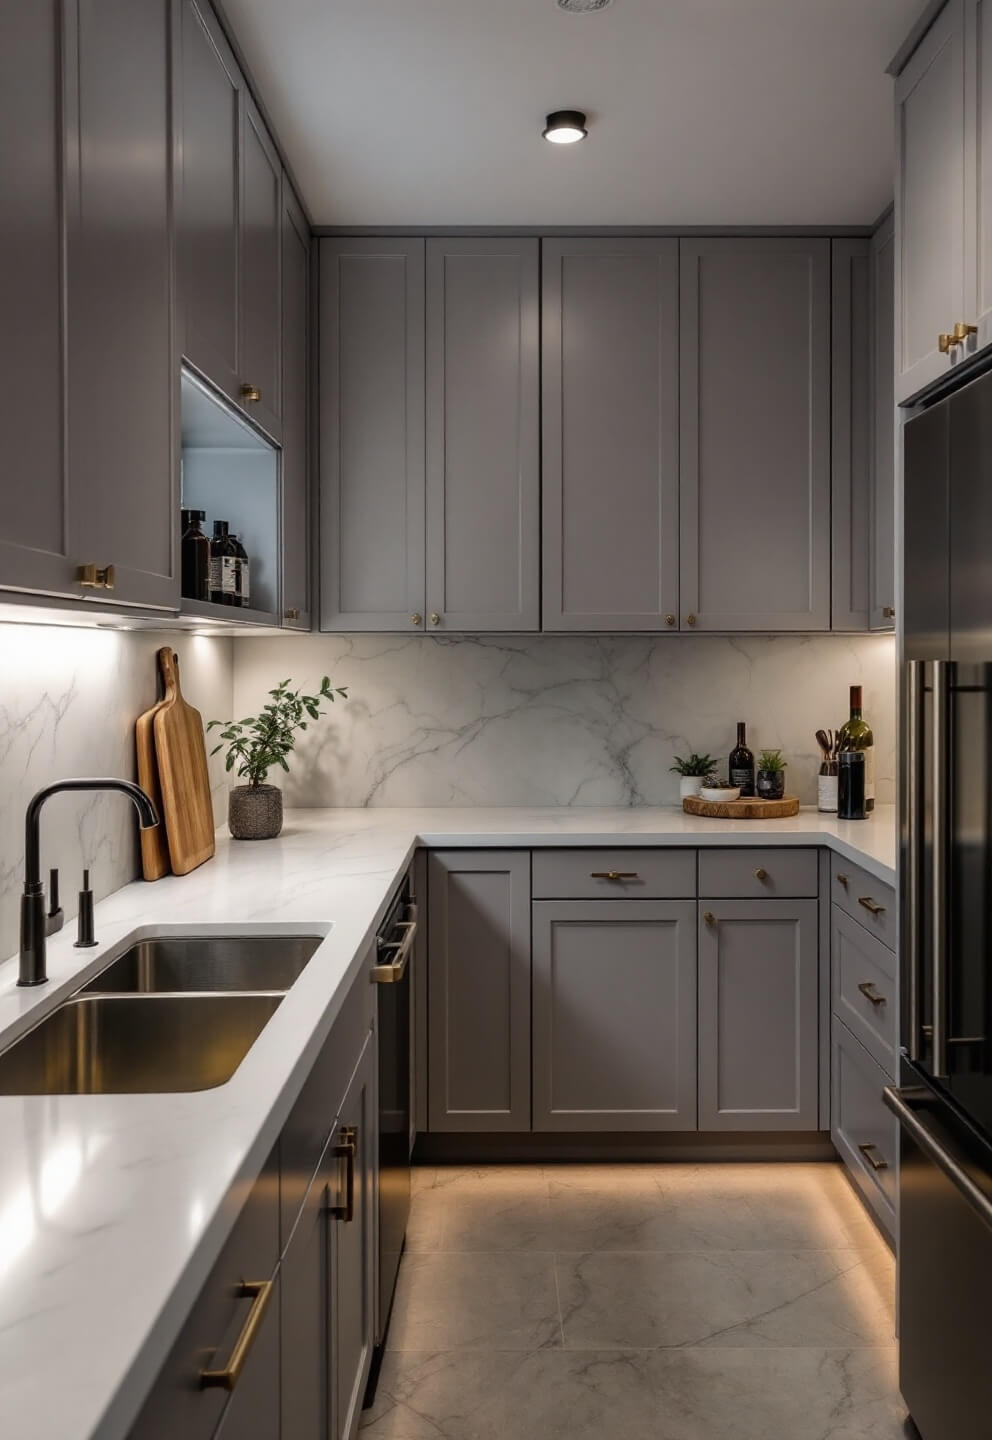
point(154, 842)
point(182, 771)
point(742, 809)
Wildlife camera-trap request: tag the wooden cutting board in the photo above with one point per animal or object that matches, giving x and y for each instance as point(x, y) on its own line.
point(181, 753)
point(742, 809)
point(154, 842)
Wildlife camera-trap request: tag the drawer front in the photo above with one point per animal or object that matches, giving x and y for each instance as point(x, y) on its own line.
point(178, 1404)
point(863, 987)
point(863, 1130)
point(613, 874)
point(869, 901)
point(751, 873)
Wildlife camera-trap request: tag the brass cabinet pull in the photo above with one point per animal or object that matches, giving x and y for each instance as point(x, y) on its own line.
point(669, 619)
point(96, 577)
point(392, 973)
point(843, 880)
point(690, 619)
point(435, 618)
point(870, 993)
point(946, 343)
point(761, 873)
point(291, 614)
point(251, 394)
point(416, 618)
point(345, 1150)
point(612, 874)
point(888, 612)
point(876, 1160)
point(259, 1292)
point(872, 906)
point(709, 917)
point(963, 330)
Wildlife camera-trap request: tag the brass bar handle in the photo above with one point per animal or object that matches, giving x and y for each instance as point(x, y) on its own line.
point(392, 973)
point(888, 612)
point(259, 1292)
point(963, 330)
point(761, 873)
point(345, 1151)
point(875, 1158)
point(870, 993)
point(872, 906)
point(96, 577)
point(946, 343)
point(613, 875)
point(251, 394)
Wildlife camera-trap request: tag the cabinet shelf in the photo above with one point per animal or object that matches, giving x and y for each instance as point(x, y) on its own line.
point(228, 615)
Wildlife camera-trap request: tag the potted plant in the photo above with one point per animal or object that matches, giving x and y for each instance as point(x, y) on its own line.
point(257, 743)
point(771, 775)
point(692, 772)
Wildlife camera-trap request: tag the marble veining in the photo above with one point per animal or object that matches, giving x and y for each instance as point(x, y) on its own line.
point(562, 719)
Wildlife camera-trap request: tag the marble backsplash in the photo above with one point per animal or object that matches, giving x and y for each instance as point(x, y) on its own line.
point(561, 720)
point(68, 702)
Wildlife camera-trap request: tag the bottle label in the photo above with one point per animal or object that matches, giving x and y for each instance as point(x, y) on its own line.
point(745, 779)
point(223, 574)
point(245, 585)
point(869, 754)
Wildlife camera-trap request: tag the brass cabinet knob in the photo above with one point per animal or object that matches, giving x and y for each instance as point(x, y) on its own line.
point(945, 343)
point(416, 618)
point(709, 917)
point(291, 614)
point(251, 394)
point(95, 577)
point(690, 619)
point(962, 330)
point(761, 873)
point(888, 612)
point(842, 880)
point(435, 618)
point(669, 619)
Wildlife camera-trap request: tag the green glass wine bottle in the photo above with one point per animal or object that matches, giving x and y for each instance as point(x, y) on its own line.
point(856, 734)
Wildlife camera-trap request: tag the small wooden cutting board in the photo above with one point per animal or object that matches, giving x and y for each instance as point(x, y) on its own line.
point(154, 842)
point(181, 752)
point(742, 809)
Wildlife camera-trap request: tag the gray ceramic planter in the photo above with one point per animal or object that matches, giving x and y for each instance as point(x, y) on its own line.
point(771, 784)
point(254, 812)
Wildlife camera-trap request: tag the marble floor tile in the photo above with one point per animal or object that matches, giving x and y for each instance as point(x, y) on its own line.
point(506, 1218)
point(739, 1298)
point(425, 1226)
point(774, 1394)
point(484, 1179)
point(485, 1301)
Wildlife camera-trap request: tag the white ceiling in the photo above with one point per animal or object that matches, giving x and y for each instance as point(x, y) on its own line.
point(429, 112)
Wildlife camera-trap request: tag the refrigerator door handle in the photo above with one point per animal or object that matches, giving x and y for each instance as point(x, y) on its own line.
point(914, 852)
point(939, 868)
point(900, 1103)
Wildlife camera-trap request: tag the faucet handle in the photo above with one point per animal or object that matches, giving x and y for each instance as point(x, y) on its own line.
point(55, 918)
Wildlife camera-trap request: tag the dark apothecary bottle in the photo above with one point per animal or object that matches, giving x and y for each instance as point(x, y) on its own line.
point(195, 556)
point(742, 763)
point(243, 578)
point(223, 566)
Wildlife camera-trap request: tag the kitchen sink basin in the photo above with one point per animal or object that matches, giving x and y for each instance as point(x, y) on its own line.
point(122, 1044)
point(181, 963)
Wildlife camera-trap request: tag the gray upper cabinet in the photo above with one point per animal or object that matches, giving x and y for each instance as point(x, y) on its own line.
point(479, 982)
point(930, 206)
point(978, 154)
point(230, 219)
point(614, 1004)
point(610, 434)
point(882, 562)
point(296, 338)
point(483, 463)
point(35, 543)
point(851, 427)
point(123, 382)
point(372, 434)
point(758, 1015)
point(755, 434)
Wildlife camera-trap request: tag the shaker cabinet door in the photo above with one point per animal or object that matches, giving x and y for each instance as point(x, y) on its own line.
point(931, 285)
point(483, 460)
point(372, 435)
point(758, 1015)
point(123, 390)
point(260, 300)
point(610, 434)
point(882, 558)
point(296, 339)
point(754, 328)
point(851, 431)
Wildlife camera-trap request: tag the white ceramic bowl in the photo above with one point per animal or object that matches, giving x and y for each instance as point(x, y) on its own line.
point(721, 793)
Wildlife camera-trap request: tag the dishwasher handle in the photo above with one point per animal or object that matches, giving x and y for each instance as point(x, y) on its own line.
point(898, 1102)
point(394, 971)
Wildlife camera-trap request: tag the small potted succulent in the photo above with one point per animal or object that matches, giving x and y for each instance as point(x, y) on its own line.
point(692, 771)
point(715, 787)
point(771, 775)
point(257, 743)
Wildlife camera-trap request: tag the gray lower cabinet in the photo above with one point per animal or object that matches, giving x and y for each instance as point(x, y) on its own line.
point(480, 990)
point(851, 394)
point(614, 1005)
point(864, 1131)
point(931, 205)
point(758, 1015)
point(372, 498)
point(609, 407)
point(483, 457)
point(305, 1320)
point(352, 1256)
point(296, 337)
point(253, 1410)
point(754, 457)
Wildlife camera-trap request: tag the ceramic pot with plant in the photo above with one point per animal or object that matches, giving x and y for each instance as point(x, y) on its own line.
point(692, 771)
point(771, 775)
point(258, 743)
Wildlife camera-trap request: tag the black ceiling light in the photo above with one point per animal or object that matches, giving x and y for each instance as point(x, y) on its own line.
point(564, 127)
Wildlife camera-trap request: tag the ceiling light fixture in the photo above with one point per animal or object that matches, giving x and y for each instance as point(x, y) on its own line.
point(564, 127)
point(582, 7)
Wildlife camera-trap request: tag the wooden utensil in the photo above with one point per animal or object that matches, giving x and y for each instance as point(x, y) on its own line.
point(182, 771)
point(154, 842)
point(742, 809)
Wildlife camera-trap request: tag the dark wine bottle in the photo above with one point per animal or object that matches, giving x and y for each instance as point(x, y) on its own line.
point(742, 763)
point(195, 557)
point(223, 566)
point(856, 734)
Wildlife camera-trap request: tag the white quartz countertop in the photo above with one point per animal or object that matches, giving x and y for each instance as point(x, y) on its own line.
point(113, 1208)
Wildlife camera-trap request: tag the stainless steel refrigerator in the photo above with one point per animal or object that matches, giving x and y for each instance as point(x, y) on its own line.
point(944, 1100)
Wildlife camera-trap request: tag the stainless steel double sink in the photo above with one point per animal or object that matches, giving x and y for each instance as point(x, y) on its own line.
point(170, 1014)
